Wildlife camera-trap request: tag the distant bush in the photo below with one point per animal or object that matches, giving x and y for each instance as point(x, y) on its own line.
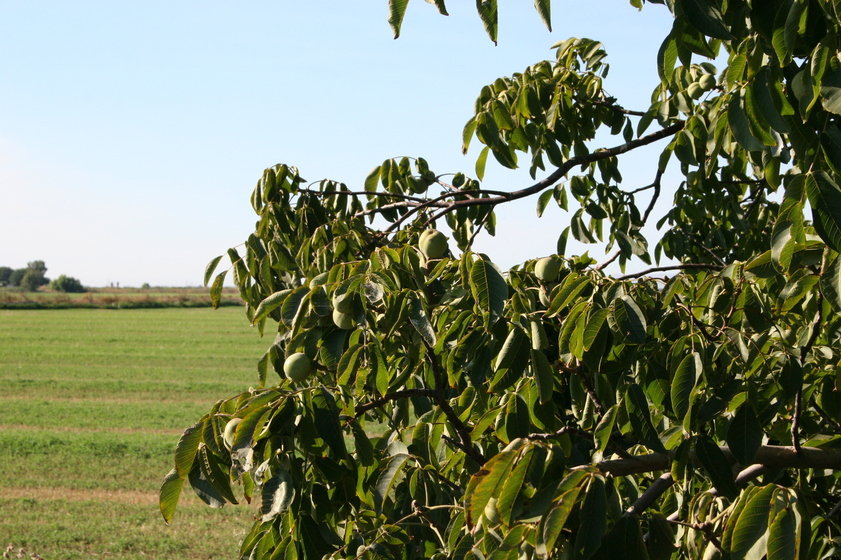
point(67, 284)
point(16, 276)
point(145, 286)
point(5, 274)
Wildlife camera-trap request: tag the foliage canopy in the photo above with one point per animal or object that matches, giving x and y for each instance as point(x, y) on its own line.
point(457, 411)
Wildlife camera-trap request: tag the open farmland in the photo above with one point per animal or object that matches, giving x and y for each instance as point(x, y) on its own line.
point(93, 402)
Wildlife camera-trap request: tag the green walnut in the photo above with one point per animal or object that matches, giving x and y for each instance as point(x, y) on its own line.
point(343, 302)
point(297, 367)
point(230, 428)
point(547, 269)
point(695, 90)
point(707, 82)
point(433, 244)
point(342, 320)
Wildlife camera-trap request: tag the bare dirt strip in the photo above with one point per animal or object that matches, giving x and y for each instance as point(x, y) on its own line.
point(74, 429)
point(77, 495)
point(157, 400)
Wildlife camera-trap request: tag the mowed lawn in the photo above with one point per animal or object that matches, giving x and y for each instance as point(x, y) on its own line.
point(91, 407)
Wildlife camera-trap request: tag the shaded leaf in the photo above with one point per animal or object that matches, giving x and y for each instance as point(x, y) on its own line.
point(683, 382)
point(277, 495)
point(717, 466)
point(744, 435)
point(825, 199)
point(170, 493)
point(388, 477)
point(488, 288)
point(593, 519)
point(782, 537)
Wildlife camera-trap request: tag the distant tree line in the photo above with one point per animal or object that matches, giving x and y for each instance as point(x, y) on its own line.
point(34, 276)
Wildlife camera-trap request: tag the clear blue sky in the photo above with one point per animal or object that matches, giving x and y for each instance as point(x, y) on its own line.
point(132, 133)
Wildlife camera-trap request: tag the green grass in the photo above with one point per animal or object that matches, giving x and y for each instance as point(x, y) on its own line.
point(92, 406)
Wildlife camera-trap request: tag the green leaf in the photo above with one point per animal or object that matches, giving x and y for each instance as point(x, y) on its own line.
point(595, 321)
point(717, 466)
point(277, 495)
point(555, 520)
point(603, 431)
point(831, 283)
point(512, 359)
point(211, 267)
point(419, 320)
point(625, 540)
point(488, 14)
point(269, 304)
point(216, 289)
point(825, 199)
point(185, 451)
point(543, 200)
point(565, 294)
point(396, 11)
point(442, 9)
point(170, 493)
point(782, 537)
point(744, 435)
point(326, 419)
point(629, 319)
point(389, 477)
point(485, 484)
point(752, 521)
point(593, 519)
point(481, 162)
point(639, 414)
point(543, 375)
point(510, 489)
point(202, 484)
point(544, 8)
point(706, 18)
point(683, 382)
point(489, 289)
point(292, 303)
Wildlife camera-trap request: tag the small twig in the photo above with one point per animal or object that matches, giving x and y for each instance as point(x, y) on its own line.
point(612, 258)
point(466, 443)
point(361, 409)
point(804, 353)
point(705, 528)
point(566, 430)
point(695, 321)
point(654, 197)
point(685, 266)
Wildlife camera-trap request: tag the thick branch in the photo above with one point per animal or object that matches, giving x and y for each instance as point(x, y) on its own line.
point(650, 496)
point(771, 456)
point(466, 442)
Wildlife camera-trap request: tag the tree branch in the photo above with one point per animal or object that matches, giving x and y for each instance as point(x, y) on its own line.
point(656, 185)
point(685, 266)
point(361, 409)
point(499, 197)
point(771, 456)
point(650, 496)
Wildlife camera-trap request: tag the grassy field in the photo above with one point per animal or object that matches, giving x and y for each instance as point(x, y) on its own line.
point(114, 298)
point(93, 402)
